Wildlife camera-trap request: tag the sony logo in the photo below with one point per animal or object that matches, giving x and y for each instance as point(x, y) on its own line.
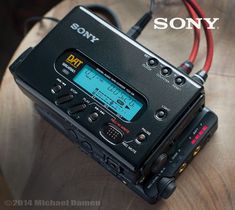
point(188, 23)
point(83, 32)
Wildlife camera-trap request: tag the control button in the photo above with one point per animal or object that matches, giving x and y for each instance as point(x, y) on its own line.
point(93, 117)
point(76, 109)
point(180, 80)
point(141, 137)
point(161, 114)
point(152, 62)
point(159, 163)
point(114, 166)
point(56, 89)
point(166, 71)
point(72, 134)
point(86, 147)
point(63, 99)
point(112, 134)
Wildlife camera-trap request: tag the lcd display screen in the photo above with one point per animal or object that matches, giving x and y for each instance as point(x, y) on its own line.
point(106, 91)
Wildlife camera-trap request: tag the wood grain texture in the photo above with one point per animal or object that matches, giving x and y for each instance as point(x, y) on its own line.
point(40, 163)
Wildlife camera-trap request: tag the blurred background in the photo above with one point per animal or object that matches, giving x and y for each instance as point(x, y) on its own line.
point(13, 14)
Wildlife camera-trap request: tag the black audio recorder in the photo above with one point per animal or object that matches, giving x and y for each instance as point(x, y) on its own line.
point(110, 92)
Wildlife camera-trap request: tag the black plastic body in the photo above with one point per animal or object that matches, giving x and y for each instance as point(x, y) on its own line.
point(151, 187)
point(127, 63)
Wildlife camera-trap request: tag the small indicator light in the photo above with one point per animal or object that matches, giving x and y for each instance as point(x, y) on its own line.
point(201, 132)
point(194, 141)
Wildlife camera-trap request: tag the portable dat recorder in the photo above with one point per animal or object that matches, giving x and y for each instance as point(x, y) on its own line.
point(124, 105)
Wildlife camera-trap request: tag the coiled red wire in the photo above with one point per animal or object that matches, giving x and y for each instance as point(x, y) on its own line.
point(194, 8)
point(197, 34)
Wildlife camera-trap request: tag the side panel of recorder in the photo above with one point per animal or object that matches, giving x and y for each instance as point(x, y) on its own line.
point(190, 143)
point(100, 89)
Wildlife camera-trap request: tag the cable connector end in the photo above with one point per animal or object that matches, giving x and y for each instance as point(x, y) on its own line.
point(200, 77)
point(186, 67)
point(136, 30)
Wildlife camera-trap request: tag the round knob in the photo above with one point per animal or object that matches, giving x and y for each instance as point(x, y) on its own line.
point(159, 163)
point(166, 187)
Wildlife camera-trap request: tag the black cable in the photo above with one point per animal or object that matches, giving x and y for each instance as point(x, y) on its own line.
point(96, 8)
point(106, 12)
point(135, 31)
point(36, 19)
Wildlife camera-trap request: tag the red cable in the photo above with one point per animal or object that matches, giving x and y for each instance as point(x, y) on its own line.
point(208, 33)
point(196, 44)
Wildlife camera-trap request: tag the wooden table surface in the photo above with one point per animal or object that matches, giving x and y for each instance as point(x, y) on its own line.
point(40, 163)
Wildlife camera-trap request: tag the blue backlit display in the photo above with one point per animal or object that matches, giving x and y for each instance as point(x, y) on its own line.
point(108, 92)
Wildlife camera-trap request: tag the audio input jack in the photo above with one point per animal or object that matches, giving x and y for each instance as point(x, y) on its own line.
point(182, 167)
point(196, 151)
